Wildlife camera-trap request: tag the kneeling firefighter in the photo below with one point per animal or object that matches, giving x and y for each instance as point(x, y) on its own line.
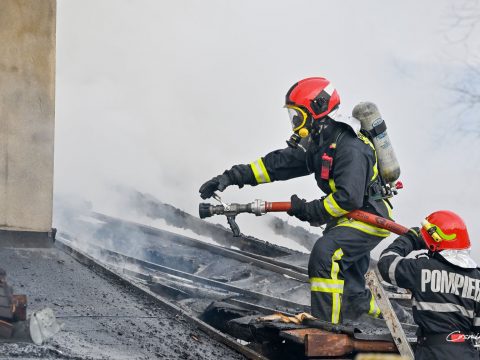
point(445, 286)
point(344, 162)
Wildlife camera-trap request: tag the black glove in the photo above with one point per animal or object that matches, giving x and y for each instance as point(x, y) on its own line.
point(298, 208)
point(219, 183)
point(416, 238)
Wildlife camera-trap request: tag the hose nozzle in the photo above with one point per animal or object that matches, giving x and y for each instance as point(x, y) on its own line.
point(204, 210)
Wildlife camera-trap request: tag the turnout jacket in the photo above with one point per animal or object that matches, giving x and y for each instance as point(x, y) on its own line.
point(354, 171)
point(446, 297)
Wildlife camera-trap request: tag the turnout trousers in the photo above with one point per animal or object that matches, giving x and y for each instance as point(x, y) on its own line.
point(336, 268)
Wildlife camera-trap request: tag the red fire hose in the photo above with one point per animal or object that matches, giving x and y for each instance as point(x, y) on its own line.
point(355, 214)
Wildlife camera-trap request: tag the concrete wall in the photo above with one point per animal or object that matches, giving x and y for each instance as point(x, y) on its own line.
point(27, 113)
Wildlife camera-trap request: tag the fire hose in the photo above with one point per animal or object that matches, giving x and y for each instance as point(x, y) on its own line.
point(260, 207)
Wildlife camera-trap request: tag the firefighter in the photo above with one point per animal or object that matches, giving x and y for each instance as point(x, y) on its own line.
point(445, 286)
point(344, 163)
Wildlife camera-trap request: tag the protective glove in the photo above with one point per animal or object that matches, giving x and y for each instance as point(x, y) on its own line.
point(298, 208)
point(416, 238)
point(220, 183)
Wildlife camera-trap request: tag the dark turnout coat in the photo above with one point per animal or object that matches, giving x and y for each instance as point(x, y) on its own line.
point(446, 298)
point(348, 183)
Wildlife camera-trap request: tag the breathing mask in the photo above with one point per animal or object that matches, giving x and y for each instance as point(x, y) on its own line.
point(301, 124)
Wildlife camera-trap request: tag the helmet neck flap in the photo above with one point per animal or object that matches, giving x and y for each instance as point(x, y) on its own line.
point(460, 258)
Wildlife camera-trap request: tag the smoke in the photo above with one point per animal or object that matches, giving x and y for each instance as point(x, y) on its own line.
point(296, 233)
point(161, 96)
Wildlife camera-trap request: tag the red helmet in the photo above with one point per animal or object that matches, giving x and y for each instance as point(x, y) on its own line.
point(315, 95)
point(444, 230)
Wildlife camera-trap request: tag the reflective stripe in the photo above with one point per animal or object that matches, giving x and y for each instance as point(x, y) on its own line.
point(415, 232)
point(389, 254)
point(329, 89)
point(326, 285)
point(337, 255)
point(443, 307)
point(260, 171)
point(364, 227)
point(391, 270)
point(333, 286)
point(331, 183)
point(337, 299)
point(374, 309)
point(375, 166)
point(367, 141)
point(332, 207)
point(389, 209)
point(476, 321)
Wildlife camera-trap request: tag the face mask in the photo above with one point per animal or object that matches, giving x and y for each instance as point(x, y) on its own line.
point(300, 124)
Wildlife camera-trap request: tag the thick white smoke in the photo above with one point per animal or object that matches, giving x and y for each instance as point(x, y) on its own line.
point(161, 96)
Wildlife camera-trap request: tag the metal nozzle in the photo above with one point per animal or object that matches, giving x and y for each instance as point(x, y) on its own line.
point(204, 210)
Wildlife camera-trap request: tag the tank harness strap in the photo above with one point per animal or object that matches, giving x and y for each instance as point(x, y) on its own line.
point(378, 129)
point(374, 187)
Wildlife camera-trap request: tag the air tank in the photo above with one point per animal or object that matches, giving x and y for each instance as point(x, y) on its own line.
point(369, 116)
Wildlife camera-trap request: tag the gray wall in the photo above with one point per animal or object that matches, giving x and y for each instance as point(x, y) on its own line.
point(27, 113)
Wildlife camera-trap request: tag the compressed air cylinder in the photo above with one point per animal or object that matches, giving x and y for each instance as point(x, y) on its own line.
point(369, 116)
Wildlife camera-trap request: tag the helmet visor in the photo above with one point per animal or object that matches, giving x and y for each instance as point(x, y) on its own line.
point(298, 117)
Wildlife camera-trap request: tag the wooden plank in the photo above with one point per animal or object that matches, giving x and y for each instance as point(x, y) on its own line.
point(340, 344)
point(298, 335)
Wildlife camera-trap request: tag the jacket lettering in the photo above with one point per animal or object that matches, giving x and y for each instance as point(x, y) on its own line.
point(450, 283)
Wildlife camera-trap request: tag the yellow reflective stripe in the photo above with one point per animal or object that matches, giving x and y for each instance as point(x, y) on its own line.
point(326, 281)
point(336, 305)
point(326, 285)
point(367, 141)
point(389, 209)
point(336, 297)
point(331, 183)
point(364, 227)
point(374, 309)
point(264, 170)
point(333, 286)
point(332, 207)
point(326, 290)
point(337, 255)
point(375, 167)
point(260, 171)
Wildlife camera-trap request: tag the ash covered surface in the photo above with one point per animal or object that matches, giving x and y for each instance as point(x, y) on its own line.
point(103, 318)
point(133, 241)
